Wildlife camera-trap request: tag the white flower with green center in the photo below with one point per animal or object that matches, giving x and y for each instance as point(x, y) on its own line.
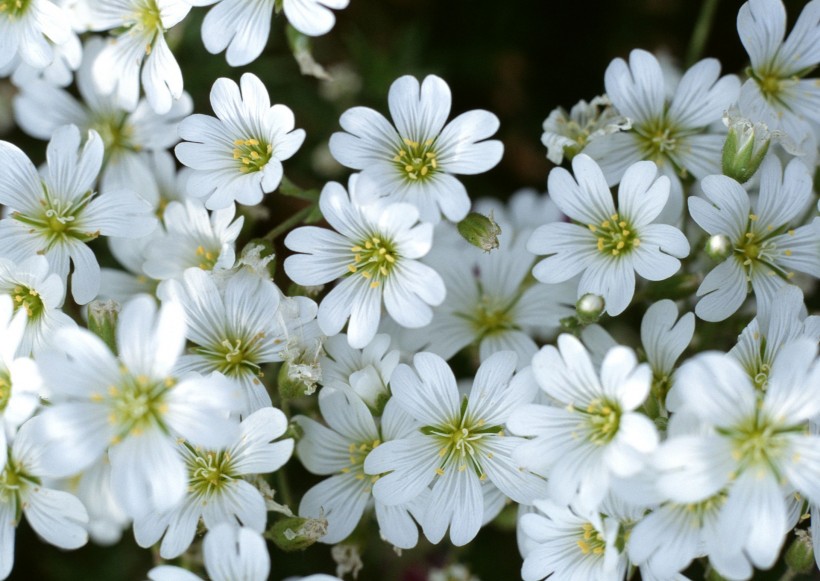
point(606, 244)
point(375, 252)
point(28, 28)
point(193, 238)
point(217, 490)
point(237, 156)
point(767, 243)
point(138, 52)
point(40, 294)
point(461, 449)
point(339, 451)
point(56, 215)
point(57, 517)
point(233, 329)
point(559, 542)
point(132, 407)
point(414, 161)
point(764, 337)
point(591, 432)
point(776, 92)
point(756, 446)
point(492, 301)
point(130, 138)
point(673, 132)
point(243, 26)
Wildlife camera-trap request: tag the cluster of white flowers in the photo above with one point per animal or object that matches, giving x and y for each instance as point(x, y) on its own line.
point(165, 405)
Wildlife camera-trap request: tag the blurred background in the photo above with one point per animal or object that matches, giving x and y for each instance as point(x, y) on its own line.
point(519, 59)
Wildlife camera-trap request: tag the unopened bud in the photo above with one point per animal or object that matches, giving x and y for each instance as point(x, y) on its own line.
point(800, 554)
point(297, 533)
point(479, 230)
point(745, 147)
point(297, 379)
point(718, 247)
point(102, 321)
point(589, 308)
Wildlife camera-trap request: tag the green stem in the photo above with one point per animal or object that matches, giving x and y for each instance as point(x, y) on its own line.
point(701, 32)
point(283, 488)
point(294, 220)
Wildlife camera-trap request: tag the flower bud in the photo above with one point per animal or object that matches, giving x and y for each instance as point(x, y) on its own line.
point(589, 308)
point(297, 533)
point(102, 321)
point(718, 247)
point(480, 231)
point(800, 554)
point(745, 147)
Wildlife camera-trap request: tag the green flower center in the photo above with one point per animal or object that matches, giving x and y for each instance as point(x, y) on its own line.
point(207, 259)
point(758, 247)
point(115, 133)
point(491, 317)
point(136, 403)
point(358, 452)
point(658, 139)
point(252, 154)
point(28, 299)
point(148, 16)
point(235, 357)
point(416, 161)
point(600, 421)
point(615, 236)
point(591, 542)
point(14, 9)
point(209, 472)
point(5, 389)
point(374, 258)
point(58, 219)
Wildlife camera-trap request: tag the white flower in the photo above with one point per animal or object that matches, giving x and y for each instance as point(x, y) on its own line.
point(775, 93)
point(133, 140)
point(40, 294)
point(138, 53)
point(57, 214)
point(461, 450)
point(132, 406)
point(607, 245)
point(414, 161)
point(374, 251)
point(767, 245)
point(57, 517)
point(192, 237)
point(232, 553)
point(233, 329)
point(28, 27)
point(562, 543)
point(367, 371)
point(243, 26)
point(674, 133)
point(20, 381)
point(758, 448)
point(591, 432)
point(216, 491)
point(491, 299)
point(238, 155)
point(340, 451)
point(569, 133)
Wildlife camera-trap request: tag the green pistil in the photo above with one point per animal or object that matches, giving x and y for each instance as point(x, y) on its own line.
point(601, 421)
point(490, 318)
point(57, 221)
point(28, 299)
point(14, 9)
point(115, 133)
point(658, 140)
point(416, 161)
point(758, 443)
point(137, 403)
point(209, 472)
point(234, 357)
point(252, 154)
point(374, 259)
point(757, 246)
point(615, 236)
